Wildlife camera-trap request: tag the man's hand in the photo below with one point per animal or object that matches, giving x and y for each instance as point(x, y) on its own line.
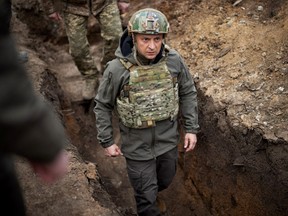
point(55, 17)
point(113, 151)
point(52, 171)
point(123, 7)
point(190, 142)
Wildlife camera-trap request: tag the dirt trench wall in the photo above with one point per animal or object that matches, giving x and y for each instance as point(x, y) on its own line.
point(235, 171)
point(237, 55)
point(80, 191)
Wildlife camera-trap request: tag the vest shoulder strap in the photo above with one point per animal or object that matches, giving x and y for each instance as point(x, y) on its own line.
point(167, 48)
point(128, 65)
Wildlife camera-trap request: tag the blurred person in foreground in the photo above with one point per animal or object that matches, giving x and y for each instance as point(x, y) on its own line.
point(28, 127)
point(150, 87)
point(5, 21)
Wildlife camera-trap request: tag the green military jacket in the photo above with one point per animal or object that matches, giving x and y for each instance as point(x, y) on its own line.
point(144, 143)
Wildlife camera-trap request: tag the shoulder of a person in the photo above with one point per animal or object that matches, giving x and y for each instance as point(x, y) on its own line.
point(173, 58)
point(172, 53)
point(114, 64)
point(115, 67)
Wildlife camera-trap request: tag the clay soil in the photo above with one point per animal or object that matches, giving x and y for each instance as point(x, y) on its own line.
point(237, 52)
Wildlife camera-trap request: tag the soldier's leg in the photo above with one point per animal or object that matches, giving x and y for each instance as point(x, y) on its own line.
point(111, 30)
point(166, 168)
point(143, 178)
point(76, 30)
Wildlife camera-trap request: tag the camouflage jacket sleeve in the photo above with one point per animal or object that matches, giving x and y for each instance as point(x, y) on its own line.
point(126, 1)
point(187, 93)
point(28, 127)
point(112, 81)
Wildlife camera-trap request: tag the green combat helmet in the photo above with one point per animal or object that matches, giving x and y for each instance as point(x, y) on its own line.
point(148, 21)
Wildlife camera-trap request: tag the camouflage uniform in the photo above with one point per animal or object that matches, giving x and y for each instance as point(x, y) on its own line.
point(111, 30)
point(76, 19)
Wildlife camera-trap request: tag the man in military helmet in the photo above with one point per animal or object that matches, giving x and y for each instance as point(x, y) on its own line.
point(149, 86)
point(75, 14)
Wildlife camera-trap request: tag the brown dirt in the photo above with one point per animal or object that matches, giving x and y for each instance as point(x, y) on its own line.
point(238, 56)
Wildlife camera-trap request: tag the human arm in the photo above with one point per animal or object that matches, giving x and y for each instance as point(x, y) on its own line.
point(51, 9)
point(5, 17)
point(188, 100)
point(52, 171)
point(28, 126)
point(111, 83)
point(55, 16)
point(103, 111)
point(123, 6)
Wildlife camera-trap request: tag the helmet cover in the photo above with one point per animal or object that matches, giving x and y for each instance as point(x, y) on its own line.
point(148, 21)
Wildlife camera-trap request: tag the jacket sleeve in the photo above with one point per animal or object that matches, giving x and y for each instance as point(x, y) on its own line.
point(110, 86)
point(5, 17)
point(187, 99)
point(126, 1)
point(28, 126)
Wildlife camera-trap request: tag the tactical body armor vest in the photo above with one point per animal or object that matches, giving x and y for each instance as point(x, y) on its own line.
point(150, 96)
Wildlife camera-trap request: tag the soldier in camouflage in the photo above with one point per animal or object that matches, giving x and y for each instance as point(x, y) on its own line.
point(75, 14)
point(148, 85)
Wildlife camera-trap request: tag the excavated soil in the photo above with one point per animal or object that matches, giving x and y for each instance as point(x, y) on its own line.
point(237, 52)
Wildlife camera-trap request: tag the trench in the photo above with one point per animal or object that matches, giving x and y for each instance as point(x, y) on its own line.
point(220, 177)
point(233, 170)
point(80, 124)
point(79, 121)
point(229, 173)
